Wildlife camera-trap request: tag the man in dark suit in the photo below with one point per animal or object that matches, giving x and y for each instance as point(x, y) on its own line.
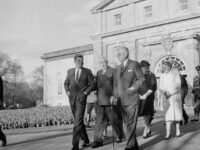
point(129, 79)
point(105, 113)
point(2, 135)
point(78, 84)
point(184, 91)
point(196, 92)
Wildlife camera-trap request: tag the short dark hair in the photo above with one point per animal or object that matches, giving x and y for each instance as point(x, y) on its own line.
point(78, 56)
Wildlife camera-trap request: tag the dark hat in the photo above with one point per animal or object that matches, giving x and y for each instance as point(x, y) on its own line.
point(144, 63)
point(197, 68)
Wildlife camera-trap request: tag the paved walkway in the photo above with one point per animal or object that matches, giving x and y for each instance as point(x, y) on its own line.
point(60, 140)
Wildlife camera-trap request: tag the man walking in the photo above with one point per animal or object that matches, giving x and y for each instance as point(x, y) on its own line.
point(196, 92)
point(105, 86)
point(78, 84)
point(129, 79)
point(184, 91)
point(2, 135)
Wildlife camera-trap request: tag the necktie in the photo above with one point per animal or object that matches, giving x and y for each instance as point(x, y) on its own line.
point(122, 67)
point(77, 76)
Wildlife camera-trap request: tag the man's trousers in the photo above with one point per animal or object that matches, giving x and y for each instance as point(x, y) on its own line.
point(104, 115)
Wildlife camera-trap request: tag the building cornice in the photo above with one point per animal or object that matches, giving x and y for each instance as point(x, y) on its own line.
point(101, 5)
point(105, 3)
point(146, 26)
point(195, 35)
point(70, 51)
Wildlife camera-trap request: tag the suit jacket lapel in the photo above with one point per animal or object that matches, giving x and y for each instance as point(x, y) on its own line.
point(74, 73)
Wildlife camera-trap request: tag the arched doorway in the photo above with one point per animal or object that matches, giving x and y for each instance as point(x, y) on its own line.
point(176, 63)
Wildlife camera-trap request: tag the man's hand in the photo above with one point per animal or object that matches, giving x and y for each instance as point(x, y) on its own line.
point(68, 93)
point(4, 105)
point(131, 90)
point(113, 100)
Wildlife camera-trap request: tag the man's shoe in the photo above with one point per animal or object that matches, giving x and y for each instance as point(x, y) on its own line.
point(195, 120)
point(4, 142)
point(97, 144)
point(131, 149)
point(75, 148)
point(120, 140)
point(88, 126)
point(186, 122)
point(85, 143)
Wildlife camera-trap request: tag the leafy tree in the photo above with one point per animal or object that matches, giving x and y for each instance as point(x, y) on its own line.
point(37, 83)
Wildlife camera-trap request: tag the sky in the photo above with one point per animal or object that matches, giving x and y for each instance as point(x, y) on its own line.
point(30, 28)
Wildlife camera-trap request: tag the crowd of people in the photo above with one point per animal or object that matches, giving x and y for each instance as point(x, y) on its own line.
point(36, 117)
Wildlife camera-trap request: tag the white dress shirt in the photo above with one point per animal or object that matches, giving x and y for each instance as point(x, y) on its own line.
point(125, 62)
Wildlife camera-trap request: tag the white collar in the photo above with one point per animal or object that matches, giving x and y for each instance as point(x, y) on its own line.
point(125, 62)
point(79, 69)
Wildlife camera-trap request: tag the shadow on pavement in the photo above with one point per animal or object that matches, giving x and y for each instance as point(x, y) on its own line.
point(158, 129)
point(35, 139)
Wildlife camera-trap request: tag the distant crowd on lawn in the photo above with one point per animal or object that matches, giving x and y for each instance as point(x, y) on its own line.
point(36, 117)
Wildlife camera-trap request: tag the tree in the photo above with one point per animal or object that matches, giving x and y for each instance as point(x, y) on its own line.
point(37, 83)
point(13, 74)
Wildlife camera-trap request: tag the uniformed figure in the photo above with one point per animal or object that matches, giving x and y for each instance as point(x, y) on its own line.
point(105, 86)
point(2, 135)
point(78, 84)
point(196, 92)
point(129, 79)
point(184, 92)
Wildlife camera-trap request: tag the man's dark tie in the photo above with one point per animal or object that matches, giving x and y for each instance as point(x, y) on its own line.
point(77, 76)
point(122, 67)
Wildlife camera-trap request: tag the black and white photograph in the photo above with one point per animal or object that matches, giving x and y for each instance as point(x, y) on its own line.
point(100, 74)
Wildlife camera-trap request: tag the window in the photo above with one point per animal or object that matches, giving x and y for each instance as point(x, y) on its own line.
point(117, 19)
point(60, 86)
point(197, 3)
point(176, 63)
point(183, 5)
point(148, 14)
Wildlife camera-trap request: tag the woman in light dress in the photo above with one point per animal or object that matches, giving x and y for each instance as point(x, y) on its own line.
point(170, 92)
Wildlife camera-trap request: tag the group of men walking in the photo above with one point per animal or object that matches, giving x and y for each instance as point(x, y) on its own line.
point(117, 98)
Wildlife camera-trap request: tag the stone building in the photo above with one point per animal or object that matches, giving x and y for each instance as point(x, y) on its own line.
point(154, 30)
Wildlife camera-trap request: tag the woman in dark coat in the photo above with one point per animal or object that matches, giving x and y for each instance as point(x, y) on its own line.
point(147, 95)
